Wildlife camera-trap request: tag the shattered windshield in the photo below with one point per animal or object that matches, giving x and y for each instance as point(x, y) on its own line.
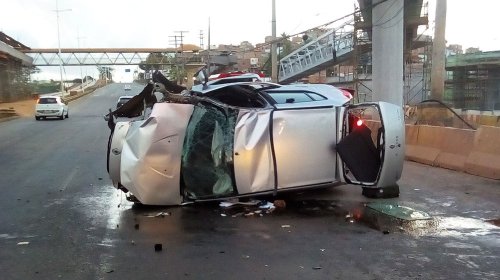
point(207, 158)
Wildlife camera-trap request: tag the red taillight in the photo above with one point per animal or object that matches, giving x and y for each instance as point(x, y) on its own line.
point(359, 122)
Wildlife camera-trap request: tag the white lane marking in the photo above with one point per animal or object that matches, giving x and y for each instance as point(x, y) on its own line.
point(68, 179)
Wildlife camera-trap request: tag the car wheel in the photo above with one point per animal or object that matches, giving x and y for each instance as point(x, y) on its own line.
point(61, 117)
point(67, 114)
point(37, 118)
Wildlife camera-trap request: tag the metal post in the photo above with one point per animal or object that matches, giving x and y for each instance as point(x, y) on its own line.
point(81, 72)
point(59, 44)
point(208, 57)
point(274, 60)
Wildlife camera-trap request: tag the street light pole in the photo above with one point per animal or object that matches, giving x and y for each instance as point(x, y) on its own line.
point(59, 44)
point(81, 72)
point(274, 60)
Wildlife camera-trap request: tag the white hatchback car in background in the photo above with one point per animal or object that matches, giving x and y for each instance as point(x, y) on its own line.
point(51, 107)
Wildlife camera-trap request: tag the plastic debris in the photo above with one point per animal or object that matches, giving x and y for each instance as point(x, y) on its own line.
point(268, 205)
point(158, 215)
point(162, 214)
point(317, 267)
point(23, 243)
point(285, 226)
point(231, 203)
point(223, 215)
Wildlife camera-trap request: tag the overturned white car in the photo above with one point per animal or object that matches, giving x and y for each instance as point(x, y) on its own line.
point(240, 139)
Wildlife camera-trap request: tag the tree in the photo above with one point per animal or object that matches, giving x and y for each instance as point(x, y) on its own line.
point(177, 73)
point(285, 47)
point(154, 61)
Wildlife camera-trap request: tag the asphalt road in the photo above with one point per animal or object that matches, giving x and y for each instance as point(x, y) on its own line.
point(60, 218)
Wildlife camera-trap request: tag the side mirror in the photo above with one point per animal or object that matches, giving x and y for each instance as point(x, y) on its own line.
point(201, 76)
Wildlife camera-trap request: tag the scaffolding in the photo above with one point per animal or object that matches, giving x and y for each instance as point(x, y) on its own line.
point(362, 57)
point(473, 81)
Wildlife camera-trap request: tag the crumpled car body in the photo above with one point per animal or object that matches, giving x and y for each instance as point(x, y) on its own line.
point(252, 138)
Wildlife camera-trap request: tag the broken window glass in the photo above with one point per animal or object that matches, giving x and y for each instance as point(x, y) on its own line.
point(207, 159)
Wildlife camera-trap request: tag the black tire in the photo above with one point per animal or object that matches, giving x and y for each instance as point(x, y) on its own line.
point(61, 117)
point(67, 115)
point(37, 118)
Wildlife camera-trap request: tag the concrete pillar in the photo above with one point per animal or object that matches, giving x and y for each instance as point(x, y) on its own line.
point(439, 52)
point(190, 71)
point(387, 52)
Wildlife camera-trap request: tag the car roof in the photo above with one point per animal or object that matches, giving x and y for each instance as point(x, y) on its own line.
point(245, 77)
point(333, 94)
point(49, 96)
point(201, 89)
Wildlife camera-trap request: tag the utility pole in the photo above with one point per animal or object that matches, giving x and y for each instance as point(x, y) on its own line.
point(81, 72)
point(274, 59)
point(182, 38)
point(201, 40)
point(59, 43)
point(208, 58)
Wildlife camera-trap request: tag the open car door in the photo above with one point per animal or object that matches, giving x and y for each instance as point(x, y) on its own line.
point(371, 144)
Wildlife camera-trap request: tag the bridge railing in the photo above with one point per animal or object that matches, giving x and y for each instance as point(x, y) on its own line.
point(327, 47)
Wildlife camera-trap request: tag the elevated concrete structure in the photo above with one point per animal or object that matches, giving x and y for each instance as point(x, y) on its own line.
point(7, 51)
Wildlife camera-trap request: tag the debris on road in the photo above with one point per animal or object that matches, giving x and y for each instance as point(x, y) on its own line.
point(158, 247)
point(280, 204)
point(251, 208)
point(23, 243)
point(158, 215)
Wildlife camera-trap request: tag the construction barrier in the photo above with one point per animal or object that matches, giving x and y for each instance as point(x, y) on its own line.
point(425, 144)
point(484, 159)
point(455, 148)
point(466, 150)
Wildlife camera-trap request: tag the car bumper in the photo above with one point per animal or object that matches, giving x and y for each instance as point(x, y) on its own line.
point(48, 113)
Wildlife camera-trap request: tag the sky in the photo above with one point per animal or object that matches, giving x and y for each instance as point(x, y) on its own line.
point(153, 23)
